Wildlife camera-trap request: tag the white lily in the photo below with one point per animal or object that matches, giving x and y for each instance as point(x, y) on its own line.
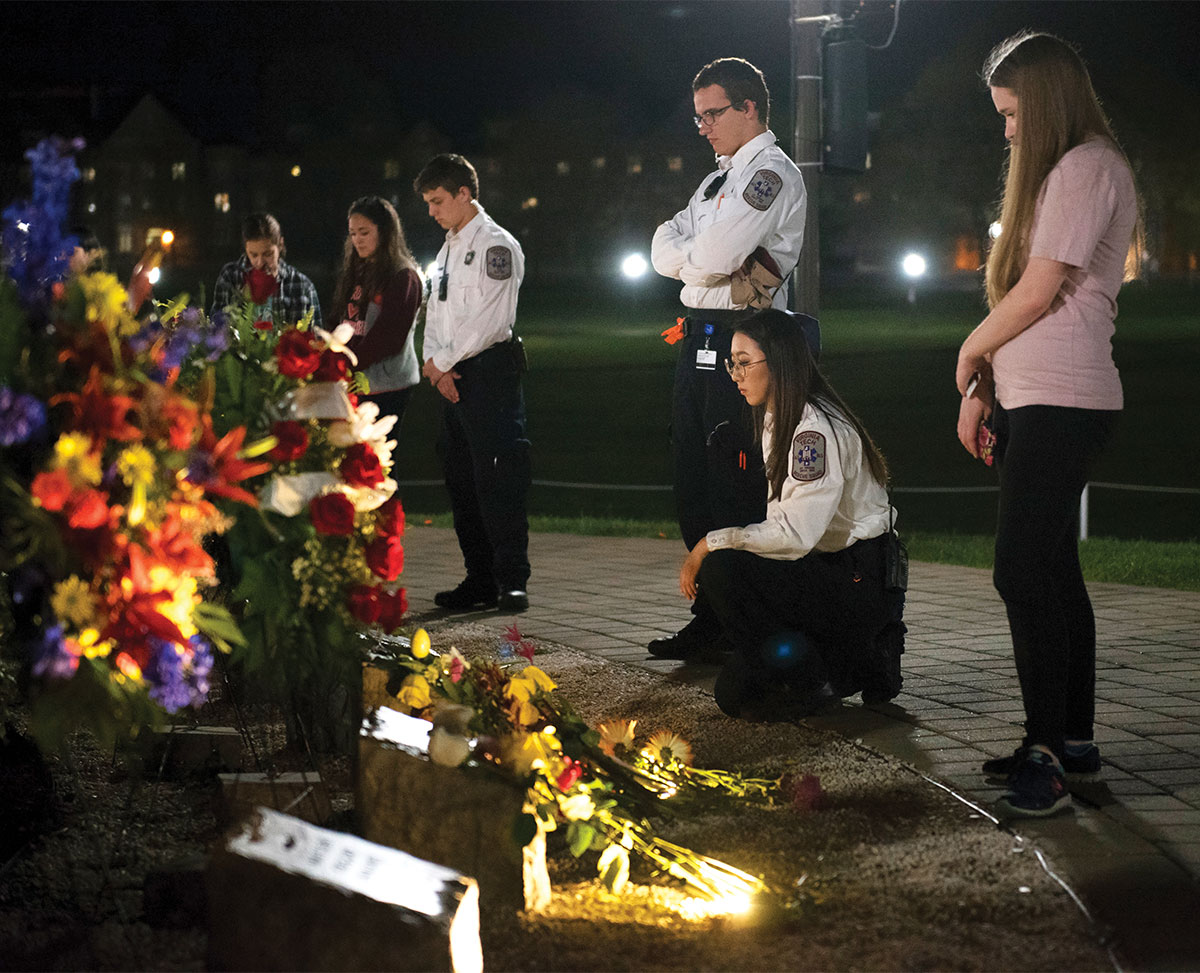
point(364, 427)
point(336, 339)
point(369, 498)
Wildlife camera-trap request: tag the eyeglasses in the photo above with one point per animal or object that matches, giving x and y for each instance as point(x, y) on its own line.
point(710, 117)
point(737, 369)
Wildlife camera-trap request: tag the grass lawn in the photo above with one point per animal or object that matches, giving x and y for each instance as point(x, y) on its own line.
point(599, 387)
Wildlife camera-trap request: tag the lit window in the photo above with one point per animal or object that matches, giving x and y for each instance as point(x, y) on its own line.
point(295, 171)
point(391, 169)
point(178, 171)
point(89, 174)
point(125, 237)
point(675, 163)
point(635, 165)
point(91, 207)
point(562, 168)
point(530, 203)
point(221, 202)
point(599, 162)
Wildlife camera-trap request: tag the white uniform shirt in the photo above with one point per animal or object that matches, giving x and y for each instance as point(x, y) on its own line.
point(829, 499)
point(484, 266)
point(761, 204)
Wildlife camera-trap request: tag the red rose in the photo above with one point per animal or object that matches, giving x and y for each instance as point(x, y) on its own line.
point(261, 286)
point(89, 511)
point(297, 356)
point(263, 325)
point(389, 519)
point(364, 603)
point(293, 441)
point(385, 557)
point(361, 466)
point(51, 489)
point(333, 367)
point(392, 609)
point(332, 513)
point(572, 771)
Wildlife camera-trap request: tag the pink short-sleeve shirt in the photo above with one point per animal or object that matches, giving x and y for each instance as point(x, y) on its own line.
point(1085, 216)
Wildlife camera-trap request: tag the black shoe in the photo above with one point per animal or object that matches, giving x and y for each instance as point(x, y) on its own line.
point(469, 594)
point(692, 643)
point(1037, 788)
point(513, 601)
point(1085, 766)
point(881, 679)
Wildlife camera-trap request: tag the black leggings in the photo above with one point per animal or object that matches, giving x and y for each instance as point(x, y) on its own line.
point(1045, 455)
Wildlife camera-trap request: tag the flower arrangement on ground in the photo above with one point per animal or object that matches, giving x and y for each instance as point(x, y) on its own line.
point(108, 472)
point(600, 785)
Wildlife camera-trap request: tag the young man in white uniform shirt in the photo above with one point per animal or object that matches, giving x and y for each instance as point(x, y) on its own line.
point(745, 220)
point(473, 360)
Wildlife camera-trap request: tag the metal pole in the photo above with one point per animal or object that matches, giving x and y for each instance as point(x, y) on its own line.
point(809, 18)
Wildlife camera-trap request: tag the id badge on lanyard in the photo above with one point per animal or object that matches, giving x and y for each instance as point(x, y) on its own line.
point(706, 358)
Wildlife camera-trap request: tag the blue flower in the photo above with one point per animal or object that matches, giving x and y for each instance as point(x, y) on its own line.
point(21, 417)
point(176, 680)
point(50, 655)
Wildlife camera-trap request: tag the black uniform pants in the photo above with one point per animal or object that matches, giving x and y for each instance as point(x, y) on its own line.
point(1045, 455)
point(719, 477)
point(485, 459)
point(801, 622)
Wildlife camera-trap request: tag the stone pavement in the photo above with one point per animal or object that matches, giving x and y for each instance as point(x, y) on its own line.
point(1130, 846)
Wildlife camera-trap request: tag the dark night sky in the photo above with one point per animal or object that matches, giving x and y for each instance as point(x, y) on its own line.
point(225, 67)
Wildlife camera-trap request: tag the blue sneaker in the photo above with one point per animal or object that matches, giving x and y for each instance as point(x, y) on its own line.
point(1037, 788)
point(1077, 766)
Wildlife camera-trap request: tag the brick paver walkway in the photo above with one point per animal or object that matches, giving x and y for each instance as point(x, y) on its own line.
point(1132, 843)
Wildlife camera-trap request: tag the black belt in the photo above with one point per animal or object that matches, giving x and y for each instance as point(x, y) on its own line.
point(723, 318)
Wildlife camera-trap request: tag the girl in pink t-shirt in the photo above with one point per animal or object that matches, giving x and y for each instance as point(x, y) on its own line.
point(1040, 365)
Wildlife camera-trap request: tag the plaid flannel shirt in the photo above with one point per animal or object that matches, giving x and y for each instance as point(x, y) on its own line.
point(296, 292)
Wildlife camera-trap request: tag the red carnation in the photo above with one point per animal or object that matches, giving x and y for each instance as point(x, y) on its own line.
point(293, 441)
point(385, 557)
point(332, 513)
point(333, 367)
point(364, 603)
point(89, 510)
point(389, 519)
point(297, 355)
point(392, 609)
point(260, 285)
point(361, 466)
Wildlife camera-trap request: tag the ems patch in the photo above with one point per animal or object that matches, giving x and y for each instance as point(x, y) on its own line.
point(762, 189)
point(499, 263)
point(808, 456)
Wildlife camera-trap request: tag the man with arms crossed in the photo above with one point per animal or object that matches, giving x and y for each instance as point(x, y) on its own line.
point(738, 236)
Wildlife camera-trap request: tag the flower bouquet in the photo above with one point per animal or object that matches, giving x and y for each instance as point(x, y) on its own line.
point(107, 474)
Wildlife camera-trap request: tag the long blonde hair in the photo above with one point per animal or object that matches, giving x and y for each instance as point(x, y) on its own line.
point(1057, 110)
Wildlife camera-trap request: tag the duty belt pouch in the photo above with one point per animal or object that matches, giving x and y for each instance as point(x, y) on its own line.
point(895, 562)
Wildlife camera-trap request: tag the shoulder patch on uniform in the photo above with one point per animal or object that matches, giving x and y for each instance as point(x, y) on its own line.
point(499, 263)
point(808, 456)
point(762, 189)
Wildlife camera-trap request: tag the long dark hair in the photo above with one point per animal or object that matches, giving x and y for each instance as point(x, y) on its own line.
point(390, 258)
point(795, 382)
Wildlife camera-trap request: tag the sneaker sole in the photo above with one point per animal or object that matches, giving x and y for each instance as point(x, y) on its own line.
point(1006, 810)
point(1078, 777)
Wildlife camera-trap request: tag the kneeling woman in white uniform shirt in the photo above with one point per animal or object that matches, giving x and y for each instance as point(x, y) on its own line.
point(801, 596)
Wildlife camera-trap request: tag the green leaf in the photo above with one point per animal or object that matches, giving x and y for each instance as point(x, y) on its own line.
point(216, 623)
point(525, 829)
point(580, 836)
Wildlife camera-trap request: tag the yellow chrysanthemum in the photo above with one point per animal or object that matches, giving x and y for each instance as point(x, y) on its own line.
point(136, 465)
point(72, 602)
point(73, 453)
point(106, 299)
point(666, 747)
point(618, 733)
point(414, 692)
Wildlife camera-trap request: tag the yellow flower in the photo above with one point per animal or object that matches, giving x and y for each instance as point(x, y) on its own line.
point(414, 692)
point(666, 747)
point(106, 303)
point(184, 598)
point(524, 752)
point(618, 733)
point(420, 644)
point(93, 648)
point(73, 453)
point(136, 465)
point(521, 690)
point(72, 601)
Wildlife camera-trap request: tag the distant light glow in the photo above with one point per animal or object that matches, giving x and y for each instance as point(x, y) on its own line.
point(91, 207)
point(295, 170)
point(994, 230)
point(695, 908)
point(168, 237)
point(634, 266)
point(913, 265)
point(154, 275)
point(431, 270)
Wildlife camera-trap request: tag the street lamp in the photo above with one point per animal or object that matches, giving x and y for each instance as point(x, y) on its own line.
point(913, 265)
point(634, 266)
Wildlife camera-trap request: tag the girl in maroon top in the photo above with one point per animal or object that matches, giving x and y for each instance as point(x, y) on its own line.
point(379, 293)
